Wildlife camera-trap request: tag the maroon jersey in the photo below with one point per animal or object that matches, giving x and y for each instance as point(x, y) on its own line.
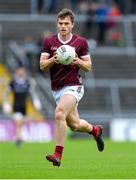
point(65, 75)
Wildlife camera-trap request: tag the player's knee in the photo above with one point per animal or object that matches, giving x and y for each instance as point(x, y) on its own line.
point(59, 114)
point(74, 127)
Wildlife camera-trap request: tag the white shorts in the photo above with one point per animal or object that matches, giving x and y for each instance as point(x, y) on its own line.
point(18, 116)
point(77, 91)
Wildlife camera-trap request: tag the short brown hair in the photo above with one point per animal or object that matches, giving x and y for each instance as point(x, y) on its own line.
point(66, 12)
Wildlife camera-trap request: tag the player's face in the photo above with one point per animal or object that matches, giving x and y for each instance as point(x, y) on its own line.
point(65, 26)
point(20, 72)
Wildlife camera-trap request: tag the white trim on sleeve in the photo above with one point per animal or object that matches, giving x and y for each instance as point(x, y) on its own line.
point(85, 56)
point(45, 54)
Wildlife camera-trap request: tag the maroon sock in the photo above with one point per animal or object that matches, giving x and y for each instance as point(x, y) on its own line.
point(94, 131)
point(58, 151)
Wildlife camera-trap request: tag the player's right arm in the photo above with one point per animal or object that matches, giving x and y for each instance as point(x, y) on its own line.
point(6, 104)
point(46, 62)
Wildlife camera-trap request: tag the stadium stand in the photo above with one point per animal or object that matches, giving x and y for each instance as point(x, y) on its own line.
point(110, 87)
point(29, 6)
point(114, 67)
point(15, 6)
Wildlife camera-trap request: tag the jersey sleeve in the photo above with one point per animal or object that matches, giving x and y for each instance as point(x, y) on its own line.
point(84, 48)
point(46, 47)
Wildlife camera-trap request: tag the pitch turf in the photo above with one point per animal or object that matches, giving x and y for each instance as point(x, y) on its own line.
point(81, 160)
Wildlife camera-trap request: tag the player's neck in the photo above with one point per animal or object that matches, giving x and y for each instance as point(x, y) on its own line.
point(65, 39)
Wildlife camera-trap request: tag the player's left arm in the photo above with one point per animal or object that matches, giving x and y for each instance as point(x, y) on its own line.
point(83, 59)
point(84, 63)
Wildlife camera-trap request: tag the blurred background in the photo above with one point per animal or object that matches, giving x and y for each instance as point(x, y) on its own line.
point(110, 96)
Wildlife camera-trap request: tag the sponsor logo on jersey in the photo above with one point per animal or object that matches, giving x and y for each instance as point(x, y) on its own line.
point(53, 48)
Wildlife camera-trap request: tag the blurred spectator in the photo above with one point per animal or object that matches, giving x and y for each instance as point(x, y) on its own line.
point(82, 7)
point(99, 11)
point(102, 16)
point(20, 87)
point(47, 6)
point(114, 12)
point(31, 50)
point(29, 46)
point(113, 35)
point(90, 23)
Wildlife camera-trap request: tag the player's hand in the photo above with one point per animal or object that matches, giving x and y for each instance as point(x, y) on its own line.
point(37, 104)
point(76, 60)
point(55, 58)
point(7, 108)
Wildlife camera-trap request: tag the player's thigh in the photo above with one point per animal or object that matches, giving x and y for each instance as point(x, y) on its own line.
point(66, 103)
point(73, 119)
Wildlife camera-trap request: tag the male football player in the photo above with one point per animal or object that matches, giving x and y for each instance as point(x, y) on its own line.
point(66, 83)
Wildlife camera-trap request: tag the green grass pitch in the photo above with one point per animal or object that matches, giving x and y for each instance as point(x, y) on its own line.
point(81, 160)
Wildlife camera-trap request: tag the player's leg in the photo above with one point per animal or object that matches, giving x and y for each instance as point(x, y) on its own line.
point(80, 125)
point(18, 118)
point(18, 124)
point(77, 124)
point(65, 105)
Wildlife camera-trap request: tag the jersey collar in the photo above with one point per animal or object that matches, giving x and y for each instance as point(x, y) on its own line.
point(65, 42)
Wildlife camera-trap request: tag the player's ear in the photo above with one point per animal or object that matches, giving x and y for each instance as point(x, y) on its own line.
point(73, 24)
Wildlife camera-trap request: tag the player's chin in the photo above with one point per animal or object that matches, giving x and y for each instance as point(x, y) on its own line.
point(63, 32)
